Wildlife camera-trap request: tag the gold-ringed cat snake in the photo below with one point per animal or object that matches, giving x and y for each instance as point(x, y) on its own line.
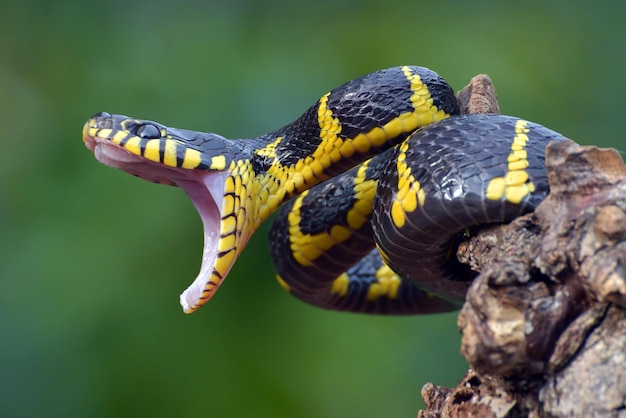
point(384, 176)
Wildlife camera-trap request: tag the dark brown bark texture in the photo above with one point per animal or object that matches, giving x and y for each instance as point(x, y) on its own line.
point(544, 323)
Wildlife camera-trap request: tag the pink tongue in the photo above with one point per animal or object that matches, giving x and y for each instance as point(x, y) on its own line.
point(206, 194)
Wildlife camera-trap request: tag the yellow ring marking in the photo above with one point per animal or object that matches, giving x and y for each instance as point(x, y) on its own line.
point(133, 145)
point(218, 163)
point(409, 191)
point(269, 150)
point(306, 248)
point(340, 285)
point(104, 133)
point(169, 154)
point(118, 137)
point(387, 284)
point(191, 158)
point(514, 185)
point(151, 150)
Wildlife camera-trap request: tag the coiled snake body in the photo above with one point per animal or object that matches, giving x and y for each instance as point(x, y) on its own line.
point(385, 177)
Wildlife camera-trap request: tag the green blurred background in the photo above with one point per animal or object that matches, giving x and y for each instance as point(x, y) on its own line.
point(92, 260)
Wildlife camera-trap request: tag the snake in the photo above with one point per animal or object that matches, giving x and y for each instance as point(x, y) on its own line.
point(374, 186)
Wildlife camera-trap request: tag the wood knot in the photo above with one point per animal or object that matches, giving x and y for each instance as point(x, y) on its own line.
point(610, 224)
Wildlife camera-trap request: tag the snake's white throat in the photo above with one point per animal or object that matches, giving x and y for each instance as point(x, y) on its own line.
point(204, 188)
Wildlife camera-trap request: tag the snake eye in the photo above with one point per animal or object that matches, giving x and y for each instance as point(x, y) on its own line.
point(148, 131)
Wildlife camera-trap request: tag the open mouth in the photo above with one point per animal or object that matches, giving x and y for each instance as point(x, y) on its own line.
point(204, 188)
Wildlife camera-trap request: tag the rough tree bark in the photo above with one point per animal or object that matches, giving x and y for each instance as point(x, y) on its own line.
point(544, 323)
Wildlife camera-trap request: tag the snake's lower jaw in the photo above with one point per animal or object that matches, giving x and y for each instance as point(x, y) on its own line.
point(207, 195)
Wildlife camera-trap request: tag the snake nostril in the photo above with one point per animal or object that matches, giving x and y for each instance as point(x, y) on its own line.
point(148, 131)
point(103, 120)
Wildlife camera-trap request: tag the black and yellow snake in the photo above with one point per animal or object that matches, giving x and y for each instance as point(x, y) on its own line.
point(385, 177)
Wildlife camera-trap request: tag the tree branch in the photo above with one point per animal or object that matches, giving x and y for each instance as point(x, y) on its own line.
point(544, 324)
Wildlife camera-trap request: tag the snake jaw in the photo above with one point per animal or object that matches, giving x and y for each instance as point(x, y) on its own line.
point(205, 189)
point(208, 207)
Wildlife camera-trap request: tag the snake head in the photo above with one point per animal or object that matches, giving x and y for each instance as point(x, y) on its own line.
point(199, 163)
